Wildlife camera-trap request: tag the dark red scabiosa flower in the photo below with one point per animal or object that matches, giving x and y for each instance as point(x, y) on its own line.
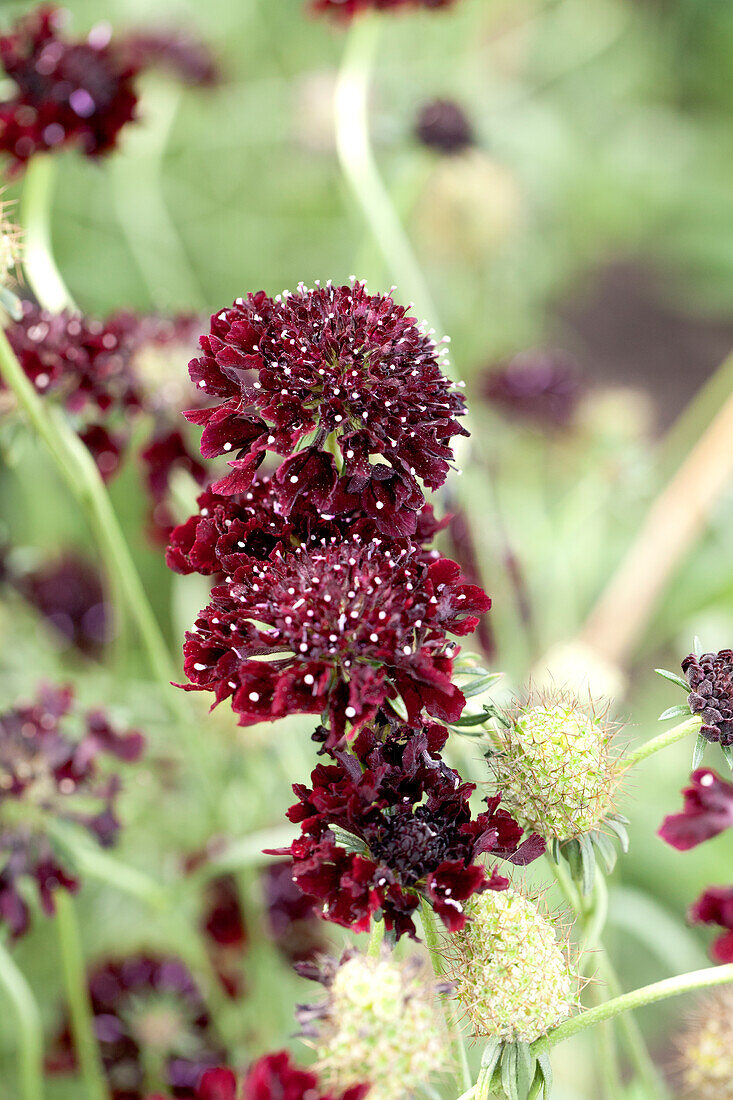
point(230, 532)
point(414, 836)
point(715, 906)
point(332, 366)
point(68, 92)
point(290, 914)
point(339, 630)
point(540, 387)
point(708, 810)
point(69, 594)
point(149, 1015)
point(346, 9)
point(442, 125)
point(46, 774)
point(179, 52)
point(223, 928)
point(711, 682)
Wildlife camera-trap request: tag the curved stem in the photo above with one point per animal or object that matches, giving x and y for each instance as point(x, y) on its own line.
point(669, 737)
point(39, 265)
point(376, 939)
point(80, 1009)
point(359, 166)
point(30, 1031)
point(638, 998)
point(432, 942)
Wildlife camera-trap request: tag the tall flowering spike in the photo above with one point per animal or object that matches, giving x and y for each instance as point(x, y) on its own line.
point(380, 1024)
point(68, 92)
point(339, 630)
point(148, 1011)
point(711, 693)
point(409, 830)
point(715, 906)
point(708, 810)
point(45, 774)
point(513, 976)
point(333, 368)
point(347, 9)
point(706, 1050)
point(554, 765)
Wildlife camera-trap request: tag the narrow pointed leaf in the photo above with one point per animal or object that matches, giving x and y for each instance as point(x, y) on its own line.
point(606, 851)
point(728, 754)
point(698, 752)
point(673, 678)
point(681, 710)
point(621, 832)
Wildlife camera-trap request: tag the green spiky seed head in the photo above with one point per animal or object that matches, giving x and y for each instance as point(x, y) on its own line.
point(513, 976)
point(707, 1050)
point(381, 1026)
point(555, 769)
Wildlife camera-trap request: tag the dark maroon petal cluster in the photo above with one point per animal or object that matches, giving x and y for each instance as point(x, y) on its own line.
point(708, 811)
point(346, 9)
point(290, 914)
point(224, 931)
point(77, 93)
point(711, 693)
point(340, 630)
point(442, 125)
point(540, 387)
point(715, 906)
point(413, 834)
point(146, 1006)
point(178, 51)
point(272, 1077)
point(68, 592)
point(46, 774)
point(328, 367)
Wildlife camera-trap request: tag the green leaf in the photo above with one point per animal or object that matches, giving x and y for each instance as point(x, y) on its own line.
point(587, 864)
point(474, 719)
point(525, 1069)
point(618, 826)
point(673, 679)
point(491, 1055)
point(699, 751)
point(509, 1072)
point(399, 707)
point(681, 710)
point(728, 754)
point(606, 851)
point(477, 687)
point(545, 1067)
point(697, 646)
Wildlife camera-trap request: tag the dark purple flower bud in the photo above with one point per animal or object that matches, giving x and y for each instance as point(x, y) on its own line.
point(540, 387)
point(442, 125)
point(711, 681)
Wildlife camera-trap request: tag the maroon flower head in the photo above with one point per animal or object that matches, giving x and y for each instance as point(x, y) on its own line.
point(332, 366)
point(291, 914)
point(708, 811)
point(442, 126)
point(224, 930)
point(711, 693)
point(272, 1077)
point(69, 594)
point(147, 1010)
point(338, 630)
point(540, 387)
point(45, 774)
point(715, 906)
point(346, 9)
point(67, 92)
point(181, 53)
point(413, 835)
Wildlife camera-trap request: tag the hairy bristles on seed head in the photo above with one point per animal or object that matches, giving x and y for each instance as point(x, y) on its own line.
point(706, 1049)
point(512, 973)
point(556, 766)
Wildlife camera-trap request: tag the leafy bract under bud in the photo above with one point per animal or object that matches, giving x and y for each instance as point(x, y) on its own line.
point(706, 1050)
point(380, 1024)
point(513, 977)
point(554, 766)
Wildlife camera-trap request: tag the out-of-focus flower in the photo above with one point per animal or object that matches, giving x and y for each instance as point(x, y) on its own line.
point(715, 906)
point(222, 924)
point(332, 365)
point(410, 831)
point(513, 978)
point(178, 51)
point(47, 776)
point(443, 126)
point(291, 915)
point(540, 387)
point(339, 630)
point(149, 1016)
point(711, 693)
point(272, 1077)
point(69, 594)
point(379, 1023)
point(346, 9)
point(708, 810)
point(554, 766)
point(706, 1049)
point(165, 453)
point(68, 92)
point(463, 550)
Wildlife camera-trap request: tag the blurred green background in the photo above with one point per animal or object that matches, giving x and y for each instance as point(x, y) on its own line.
point(594, 215)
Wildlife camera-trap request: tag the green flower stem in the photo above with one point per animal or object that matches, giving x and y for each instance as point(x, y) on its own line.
point(92, 862)
point(469, 1094)
point(638, 1053)
point(432, 942)
point(648, 994)
point(359, 166)
point(28, 1021)
point(669, 737)
point(80, 1009)
point(247, 852)
point(376, 939)
point(35, 215)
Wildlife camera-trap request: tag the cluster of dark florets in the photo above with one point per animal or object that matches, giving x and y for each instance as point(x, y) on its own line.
point(410, 831)
point(80, 92)
point(711, 693)
point(272, 1077)
point(48, 775)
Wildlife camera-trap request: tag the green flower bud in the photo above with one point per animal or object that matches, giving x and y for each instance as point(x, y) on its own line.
point(380, 1025)
point(707, 1050)
point(555, 769)
point(513, 977)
